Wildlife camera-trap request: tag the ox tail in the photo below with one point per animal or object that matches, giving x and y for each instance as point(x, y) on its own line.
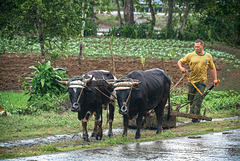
point(107, 116)
point(169, 108)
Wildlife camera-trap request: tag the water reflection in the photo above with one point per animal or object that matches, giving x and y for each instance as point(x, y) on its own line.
point(215, 146)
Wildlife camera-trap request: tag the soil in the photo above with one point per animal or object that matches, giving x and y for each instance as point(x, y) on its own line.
point(14, 66)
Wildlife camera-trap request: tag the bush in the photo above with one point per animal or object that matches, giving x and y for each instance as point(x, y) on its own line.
point(46, 103)
point(43, 88)
point(44, 80)
point(222, 100)
point(215, 100)
point(90, 28)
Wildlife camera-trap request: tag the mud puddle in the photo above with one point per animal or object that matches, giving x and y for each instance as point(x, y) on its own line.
point(214, 146)
point(77, 136)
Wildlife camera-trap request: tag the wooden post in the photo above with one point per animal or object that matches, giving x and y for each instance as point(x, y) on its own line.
point(163, 64)
point(113, 63)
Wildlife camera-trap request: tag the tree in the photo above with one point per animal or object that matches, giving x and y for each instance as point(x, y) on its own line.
point(220, 20)
point(43, 19)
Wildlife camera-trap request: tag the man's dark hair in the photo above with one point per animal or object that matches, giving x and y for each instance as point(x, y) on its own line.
point(199, 41)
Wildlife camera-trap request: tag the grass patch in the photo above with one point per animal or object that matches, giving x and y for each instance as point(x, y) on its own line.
point(17, 127)
point(108, 20)
point(13, 101)
point(48, 123)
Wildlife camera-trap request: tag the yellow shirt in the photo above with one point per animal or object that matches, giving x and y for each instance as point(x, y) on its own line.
point(199, 64)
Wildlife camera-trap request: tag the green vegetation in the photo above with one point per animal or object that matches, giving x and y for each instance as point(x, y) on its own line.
point(42, 123)
point(167, 49)
point(14, 102)
point(217, 103)
point(45, 93)
point(45, 123)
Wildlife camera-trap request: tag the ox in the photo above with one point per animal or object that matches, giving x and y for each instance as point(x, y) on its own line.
point(89, 94)
point(140, 92)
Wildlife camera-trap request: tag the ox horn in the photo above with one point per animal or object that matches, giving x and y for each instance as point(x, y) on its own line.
point(110, 81)
point(63, 82)
point(88, 80)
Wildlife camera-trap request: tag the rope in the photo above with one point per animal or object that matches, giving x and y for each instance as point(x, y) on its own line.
point(125, 103)
point(79, 95)
point(102, 92)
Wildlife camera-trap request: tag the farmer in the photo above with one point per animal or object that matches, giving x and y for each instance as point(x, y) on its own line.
point(199, 61)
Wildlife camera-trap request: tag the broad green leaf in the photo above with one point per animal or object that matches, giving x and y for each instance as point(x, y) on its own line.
point(42, 82)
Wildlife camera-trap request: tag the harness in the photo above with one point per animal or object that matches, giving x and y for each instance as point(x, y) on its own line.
point(124, 83)
point(79, 82)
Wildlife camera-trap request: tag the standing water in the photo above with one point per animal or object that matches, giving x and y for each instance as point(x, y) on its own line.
point(213, 146)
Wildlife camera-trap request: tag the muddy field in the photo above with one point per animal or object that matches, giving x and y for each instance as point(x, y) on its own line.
point(14, 66)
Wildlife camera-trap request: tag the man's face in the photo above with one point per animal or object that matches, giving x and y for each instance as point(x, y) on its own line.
point(198, 47)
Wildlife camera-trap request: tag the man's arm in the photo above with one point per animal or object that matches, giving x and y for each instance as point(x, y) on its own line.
point(183, 70)
point(214, 74)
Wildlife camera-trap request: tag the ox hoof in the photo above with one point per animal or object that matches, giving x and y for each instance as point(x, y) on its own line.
point(110, 135)
point(93, 135)
point(86, 139)
point(137, 136)
point(99, 138)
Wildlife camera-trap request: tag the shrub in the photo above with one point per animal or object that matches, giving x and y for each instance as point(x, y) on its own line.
point(43, 88)
point(90, 28)
point(222, 100)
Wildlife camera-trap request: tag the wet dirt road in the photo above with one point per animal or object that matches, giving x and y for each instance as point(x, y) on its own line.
point(214, 146)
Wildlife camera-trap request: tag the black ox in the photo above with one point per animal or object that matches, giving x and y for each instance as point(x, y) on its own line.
point(89, 95)
point(140, 92)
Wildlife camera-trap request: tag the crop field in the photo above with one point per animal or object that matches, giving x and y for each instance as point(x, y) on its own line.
point(94, 46)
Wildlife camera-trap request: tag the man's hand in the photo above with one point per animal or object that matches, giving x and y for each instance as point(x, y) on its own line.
point(216, 81)
point(183, 70)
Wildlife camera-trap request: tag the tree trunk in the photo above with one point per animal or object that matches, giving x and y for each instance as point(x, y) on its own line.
point(153, 21)
point(170, 13)
point(81, 37)
point(39, 27)
point(92, 14)
point(128, 11)
point(179, 24)
point(119, 14)
point(186, 13)
point(43, 56)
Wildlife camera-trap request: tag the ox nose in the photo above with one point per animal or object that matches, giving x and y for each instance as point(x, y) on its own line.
point(123, 110)
point(75, 107)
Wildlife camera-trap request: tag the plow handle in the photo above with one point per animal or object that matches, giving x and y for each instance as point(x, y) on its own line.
point(217, 82)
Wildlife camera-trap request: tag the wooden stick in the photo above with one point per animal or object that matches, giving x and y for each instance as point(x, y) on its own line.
point(187, 109)
point(204, 113)
point(181, 114)
point(113, 62)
